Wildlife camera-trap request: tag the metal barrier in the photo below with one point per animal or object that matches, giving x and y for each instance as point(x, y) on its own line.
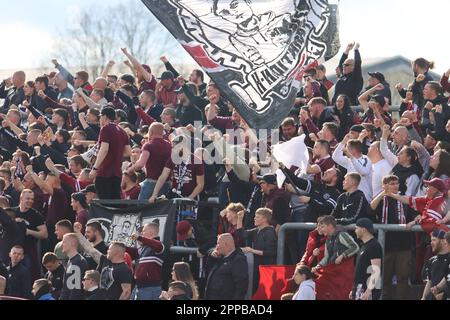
point(183, 250)
point(380, 228)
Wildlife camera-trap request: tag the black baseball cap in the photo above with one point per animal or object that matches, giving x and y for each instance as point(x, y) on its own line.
point(365, 223)
point(167, 75)
point(89, 188)
point(433, 134)
point(268, 178)
point(378, 98)
point(357, 128)
point(378, 75)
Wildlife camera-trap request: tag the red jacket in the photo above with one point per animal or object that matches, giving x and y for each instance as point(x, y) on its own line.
point(75, 184)
point(445, 84)
point(148, 270)
point(314, 241)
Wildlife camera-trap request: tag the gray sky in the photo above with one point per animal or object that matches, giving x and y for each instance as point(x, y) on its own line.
point(385, 28)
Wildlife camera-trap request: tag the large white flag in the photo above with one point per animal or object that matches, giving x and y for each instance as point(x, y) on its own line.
point(291, 153)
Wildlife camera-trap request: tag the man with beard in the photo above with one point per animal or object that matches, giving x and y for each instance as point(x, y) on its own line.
point(322, 197)
point(94, 234)
point(437, 267)
point(115, 275)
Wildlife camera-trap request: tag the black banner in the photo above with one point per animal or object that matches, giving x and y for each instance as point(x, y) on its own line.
point(120, 221)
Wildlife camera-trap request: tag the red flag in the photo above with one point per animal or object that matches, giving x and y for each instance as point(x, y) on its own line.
point(428, 224)
point(335, 281)
point(273, 281)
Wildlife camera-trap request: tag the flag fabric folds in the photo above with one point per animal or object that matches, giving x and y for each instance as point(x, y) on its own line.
point(292, 153)
point(254, 50)
point(273, 282)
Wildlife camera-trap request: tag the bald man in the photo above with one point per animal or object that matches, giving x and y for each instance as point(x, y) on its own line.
point(154, 156)
point(228, 278)
point(12, 90)
point(76, 267)
point(400, 138)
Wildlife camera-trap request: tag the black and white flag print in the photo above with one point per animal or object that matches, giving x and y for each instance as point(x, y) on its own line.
point(254, 50)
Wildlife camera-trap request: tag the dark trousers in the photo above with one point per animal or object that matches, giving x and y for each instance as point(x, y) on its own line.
point(396, 263)
point(108, 188)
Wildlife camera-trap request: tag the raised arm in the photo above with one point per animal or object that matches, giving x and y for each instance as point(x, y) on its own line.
point(138, 66)
point(364, 98)
point(384, 149)
point(107, 69)
point(88, 100)
point(43, 185)
point(339, 157)
point(17, 131)
point(87, 246)
point(402, 199)
point(64, 72)
point(376, 201)
point(51, 167)
point(211, 114)
point(422, 153)
point(169, 66)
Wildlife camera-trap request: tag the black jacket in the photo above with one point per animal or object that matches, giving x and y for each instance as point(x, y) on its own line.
point(11, 234)
point(346, 120)
point(417, 90)
point(189, 114)
point(97, 294)
point(56, 277)
point(41, 104)
point(441, 122)
point(323, 198)
point(18, 283)
point(228, 278)
point(445, 115)
point(264, 240)
point(352, 83)
point(350, 208)
point(12, 96)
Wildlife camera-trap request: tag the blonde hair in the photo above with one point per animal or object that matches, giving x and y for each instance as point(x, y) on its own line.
point(265, 212)
point(235, 207)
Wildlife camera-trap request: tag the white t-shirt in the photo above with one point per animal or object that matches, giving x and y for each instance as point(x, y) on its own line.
point(307, 291)
point(379, 171)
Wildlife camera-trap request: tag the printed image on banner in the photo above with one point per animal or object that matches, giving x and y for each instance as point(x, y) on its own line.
point(254, 50)
point(119, 224)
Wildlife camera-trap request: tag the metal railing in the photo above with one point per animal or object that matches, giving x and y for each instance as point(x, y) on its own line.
point(381, 228)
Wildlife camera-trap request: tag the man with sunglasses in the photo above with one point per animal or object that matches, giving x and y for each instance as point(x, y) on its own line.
point(351, 81)
point(91, 283)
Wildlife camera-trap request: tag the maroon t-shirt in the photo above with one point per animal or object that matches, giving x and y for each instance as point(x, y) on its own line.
point(82, 217)
point(166, 97)
point(222, 123)
point(118, 140)
point(324, 164)
point(160, 151)
point(58, 207)
point(184, 176)
point(132, 194)
point(145, 85)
